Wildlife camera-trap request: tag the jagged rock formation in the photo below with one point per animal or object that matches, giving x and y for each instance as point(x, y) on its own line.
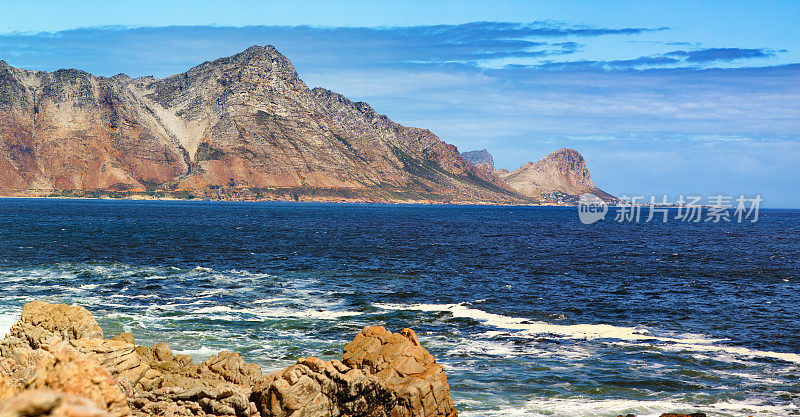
point(479, 158)
point(561, 172)
point(52, 403)
point(56, 362)
point(235, 124)
point(400, 379)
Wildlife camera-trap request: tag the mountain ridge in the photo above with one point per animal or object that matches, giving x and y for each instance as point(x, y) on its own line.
point(241, 127)
point(234, 124)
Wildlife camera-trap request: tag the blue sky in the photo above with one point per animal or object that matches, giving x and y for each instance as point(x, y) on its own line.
point(660, 98)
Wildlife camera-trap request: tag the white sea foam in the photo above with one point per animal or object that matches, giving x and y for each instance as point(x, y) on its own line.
point(502, 348)
point(7, 319)
point(585, 407)
point(202, 351)
point(531, 327)
point(280, 312)
point(214, 309)
point(265, 312)
point(735, 350)
point(525, 327)
point(271, 300)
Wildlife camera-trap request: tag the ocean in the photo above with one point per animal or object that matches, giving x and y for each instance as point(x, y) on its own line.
point(531, 312)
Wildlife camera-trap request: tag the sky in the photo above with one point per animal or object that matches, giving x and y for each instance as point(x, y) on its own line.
point(698, 98)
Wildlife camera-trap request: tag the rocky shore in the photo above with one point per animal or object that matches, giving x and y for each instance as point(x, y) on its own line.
point(56, 361)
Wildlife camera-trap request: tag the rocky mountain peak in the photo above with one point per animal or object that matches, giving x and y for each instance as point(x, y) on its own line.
point(565, 154)
point(258, 56)
point(257, 66)
point(571, 163)
point(480, 157)
point(563, 171)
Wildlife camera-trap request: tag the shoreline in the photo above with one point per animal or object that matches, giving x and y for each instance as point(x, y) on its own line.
point(57, 361)
point(300, 201)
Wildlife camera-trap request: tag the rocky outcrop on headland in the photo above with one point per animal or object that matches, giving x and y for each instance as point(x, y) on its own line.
point(562, 172)
point(57, 362)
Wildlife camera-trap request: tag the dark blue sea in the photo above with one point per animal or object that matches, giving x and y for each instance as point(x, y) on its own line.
point(531, 312)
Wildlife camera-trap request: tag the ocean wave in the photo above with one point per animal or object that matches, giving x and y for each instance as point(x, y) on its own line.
point(7, 319)
point(523, 327)
point(200, 352)
point(586, 407)
point(530, 327)
point(495, 345)
point(214, 309)
point(280, 312)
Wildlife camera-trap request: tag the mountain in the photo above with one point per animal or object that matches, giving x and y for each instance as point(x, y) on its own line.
point(561, 174)
point(239, 127)
point(481, 157)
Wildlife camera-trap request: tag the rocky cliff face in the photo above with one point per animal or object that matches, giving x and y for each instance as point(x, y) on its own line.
point(56, 362)
point(562, 172)
point(241, 122)
point(481, 157)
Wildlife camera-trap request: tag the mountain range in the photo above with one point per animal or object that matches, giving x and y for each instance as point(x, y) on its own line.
point(241, 127)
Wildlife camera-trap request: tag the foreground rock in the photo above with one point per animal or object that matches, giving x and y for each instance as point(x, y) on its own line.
point(56, 362)
point(53, 403)
point(381, 374)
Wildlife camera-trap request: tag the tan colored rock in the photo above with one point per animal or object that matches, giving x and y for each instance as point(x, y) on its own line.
point(314, 388)
point(175, 385)
point(404, 366)
point(124, 337)
point(232, 368)
point(49, 403)
point(39, 354)
point(7, 386)
point(43, 324)
point(381, 374)
point(61, 367)
point(118, 357)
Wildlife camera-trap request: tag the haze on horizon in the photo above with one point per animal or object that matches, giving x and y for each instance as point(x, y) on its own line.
point(703, 99)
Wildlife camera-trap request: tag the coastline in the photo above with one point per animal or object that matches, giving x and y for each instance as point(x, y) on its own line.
point(303, 199)
point(56, 361)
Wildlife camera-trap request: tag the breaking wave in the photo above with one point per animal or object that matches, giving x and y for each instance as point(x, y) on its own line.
point(523, 327)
